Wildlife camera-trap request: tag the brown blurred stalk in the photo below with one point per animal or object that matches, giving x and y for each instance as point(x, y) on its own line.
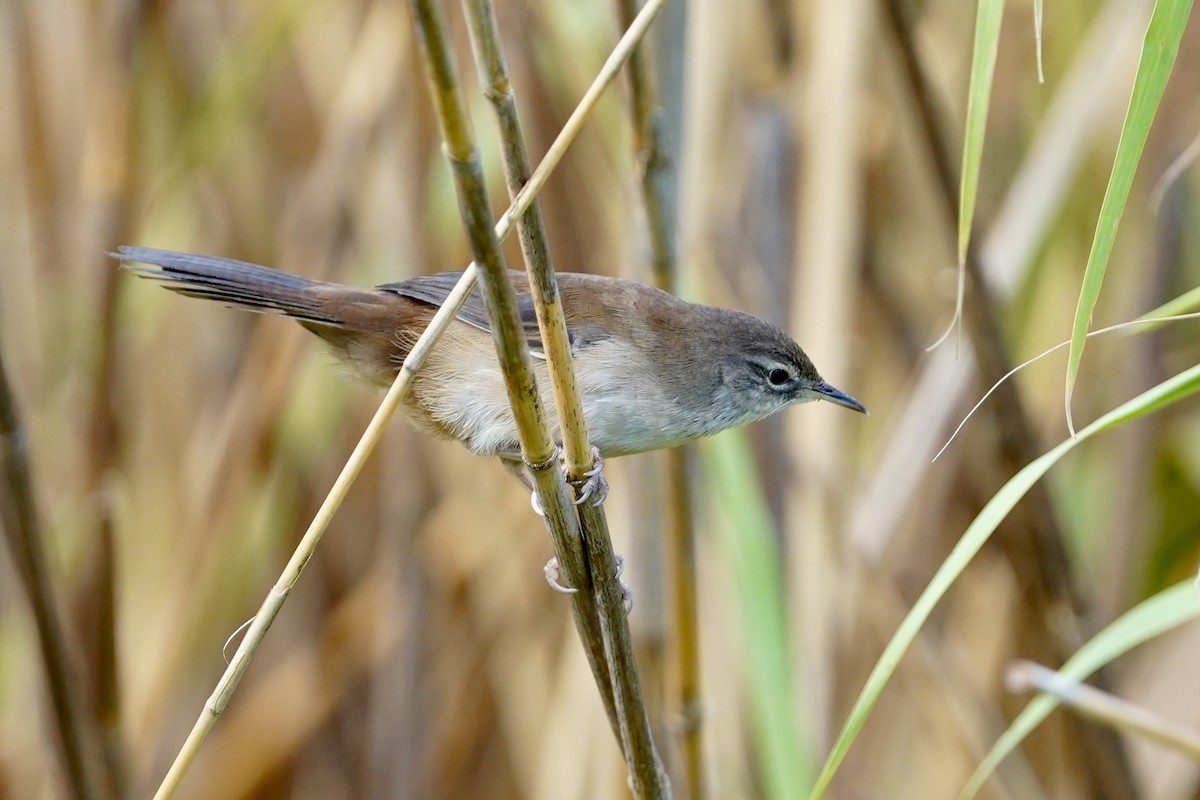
point(117, 186)
point(537, 447)
point(78, 736)
point(659, 177)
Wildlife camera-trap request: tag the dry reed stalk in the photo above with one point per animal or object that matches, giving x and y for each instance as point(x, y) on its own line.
point(531, 230)
point(659, 178)
point(119, 187)
point(538, 448)
point(1102, 707)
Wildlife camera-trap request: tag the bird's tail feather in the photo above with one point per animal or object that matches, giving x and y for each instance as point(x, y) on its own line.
point(236, 282)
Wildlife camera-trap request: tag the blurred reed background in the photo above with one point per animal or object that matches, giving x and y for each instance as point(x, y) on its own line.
point(178, 449)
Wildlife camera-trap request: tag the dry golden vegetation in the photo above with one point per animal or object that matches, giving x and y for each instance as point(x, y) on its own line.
point(178, 449)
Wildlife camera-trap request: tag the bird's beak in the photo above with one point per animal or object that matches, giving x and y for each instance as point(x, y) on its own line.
point(826, 392)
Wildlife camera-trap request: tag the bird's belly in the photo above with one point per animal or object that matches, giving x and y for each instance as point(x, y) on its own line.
point(468, 401)
point(627, 426)
point(624, 411)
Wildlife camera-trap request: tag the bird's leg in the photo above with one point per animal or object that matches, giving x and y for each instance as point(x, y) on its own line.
point(515, 465)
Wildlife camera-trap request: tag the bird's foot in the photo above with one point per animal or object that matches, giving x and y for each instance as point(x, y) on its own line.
point(554, 577)
point(593, 485)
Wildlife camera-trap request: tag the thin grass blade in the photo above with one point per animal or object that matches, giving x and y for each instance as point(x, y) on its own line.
point(983, 71)
point(1159, 48)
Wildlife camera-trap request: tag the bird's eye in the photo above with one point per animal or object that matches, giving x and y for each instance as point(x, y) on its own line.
point(779, 377)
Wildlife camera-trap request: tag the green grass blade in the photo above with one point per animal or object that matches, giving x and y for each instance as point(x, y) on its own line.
point(1158, 57)
point(748, 543)
point(1164, 611)
point(1185, 303)
point(983, 71)
point(979, 94)
point(1167, 392)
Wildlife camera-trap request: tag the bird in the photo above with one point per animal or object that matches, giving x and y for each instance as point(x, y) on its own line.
point(653, 370)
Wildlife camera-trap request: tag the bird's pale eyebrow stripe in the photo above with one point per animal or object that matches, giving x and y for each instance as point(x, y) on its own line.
point(773, 358)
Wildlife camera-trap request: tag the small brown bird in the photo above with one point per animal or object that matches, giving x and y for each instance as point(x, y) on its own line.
point(653, 370)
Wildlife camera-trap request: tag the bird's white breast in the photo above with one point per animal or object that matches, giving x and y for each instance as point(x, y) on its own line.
point(624, 411)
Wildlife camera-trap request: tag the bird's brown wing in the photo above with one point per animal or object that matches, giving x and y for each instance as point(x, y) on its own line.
point(434, 289)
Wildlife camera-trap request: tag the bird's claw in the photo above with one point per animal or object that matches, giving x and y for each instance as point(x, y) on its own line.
point(554, 577)
point(626, 591)
point(553, 573)
point(593, 485)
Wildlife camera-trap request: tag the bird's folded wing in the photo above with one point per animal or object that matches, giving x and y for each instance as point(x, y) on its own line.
point(434, 289)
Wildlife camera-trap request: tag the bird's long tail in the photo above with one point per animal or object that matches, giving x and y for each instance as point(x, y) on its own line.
point(239, 283)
